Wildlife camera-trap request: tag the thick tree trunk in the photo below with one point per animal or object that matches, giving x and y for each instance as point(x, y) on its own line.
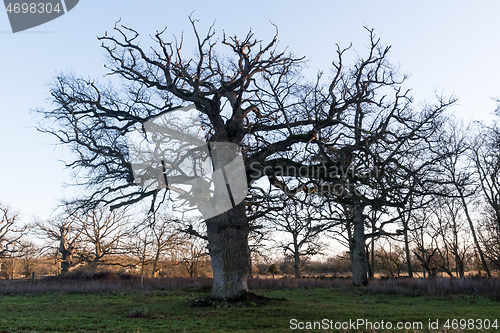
point(405, 220)
point(372, 260)
point(296, 256)
point(359, 272)
point(229, 252)
point(460, 269)
point(155, 264)
point(407, 250)
point(369, 263)
point(459, 264)
point(66, 264)
point(474, 236)
point(66, 252)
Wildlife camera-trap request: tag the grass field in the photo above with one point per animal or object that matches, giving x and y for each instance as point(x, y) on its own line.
point(150, 310)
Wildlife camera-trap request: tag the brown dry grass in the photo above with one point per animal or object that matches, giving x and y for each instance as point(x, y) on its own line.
point(112, 282)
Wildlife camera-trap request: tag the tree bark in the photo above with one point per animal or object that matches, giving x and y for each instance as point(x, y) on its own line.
point(66, 264)
point(155, 263)
point(407, 250)
point(405, 220)
point(371, 254)
point(369, 261)
point(459, 264)
point(474, 236)
point(66, 251)
point(296, 257)
point(359, 272)
point(229, 252)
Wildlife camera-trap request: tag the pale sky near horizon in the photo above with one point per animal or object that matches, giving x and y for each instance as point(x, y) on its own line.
point(446, 46)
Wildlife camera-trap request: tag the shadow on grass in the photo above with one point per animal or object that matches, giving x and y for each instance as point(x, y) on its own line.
point(247, 299)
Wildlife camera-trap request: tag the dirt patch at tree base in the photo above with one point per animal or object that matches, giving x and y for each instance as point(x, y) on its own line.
point(247, 299)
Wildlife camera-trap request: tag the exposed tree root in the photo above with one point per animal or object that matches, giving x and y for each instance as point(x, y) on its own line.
point(247, 299)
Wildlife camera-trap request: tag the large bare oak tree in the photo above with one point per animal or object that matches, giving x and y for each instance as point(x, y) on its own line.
point(238, 95)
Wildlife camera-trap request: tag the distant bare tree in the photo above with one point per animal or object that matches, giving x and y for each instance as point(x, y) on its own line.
point(28, 256)
point(193, 254)
point(139, 246)
point(423, 250)
point(11, 233)
point(301, 221)
point(485, 155)
point(489, 236)
point(165, 233)
point(391, 258)
point(151, 240)
point(459, 174)
point(373, 149)
point(103, 233)
point(63, 234)
point(452, 233)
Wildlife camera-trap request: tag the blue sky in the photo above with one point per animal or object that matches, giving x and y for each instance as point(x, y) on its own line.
point(446, 46)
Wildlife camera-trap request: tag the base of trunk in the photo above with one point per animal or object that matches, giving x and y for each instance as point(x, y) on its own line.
point(229, 252)
point(358, 256)
point(244, 300)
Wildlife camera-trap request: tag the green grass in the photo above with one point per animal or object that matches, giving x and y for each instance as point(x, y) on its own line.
point(167, 311)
